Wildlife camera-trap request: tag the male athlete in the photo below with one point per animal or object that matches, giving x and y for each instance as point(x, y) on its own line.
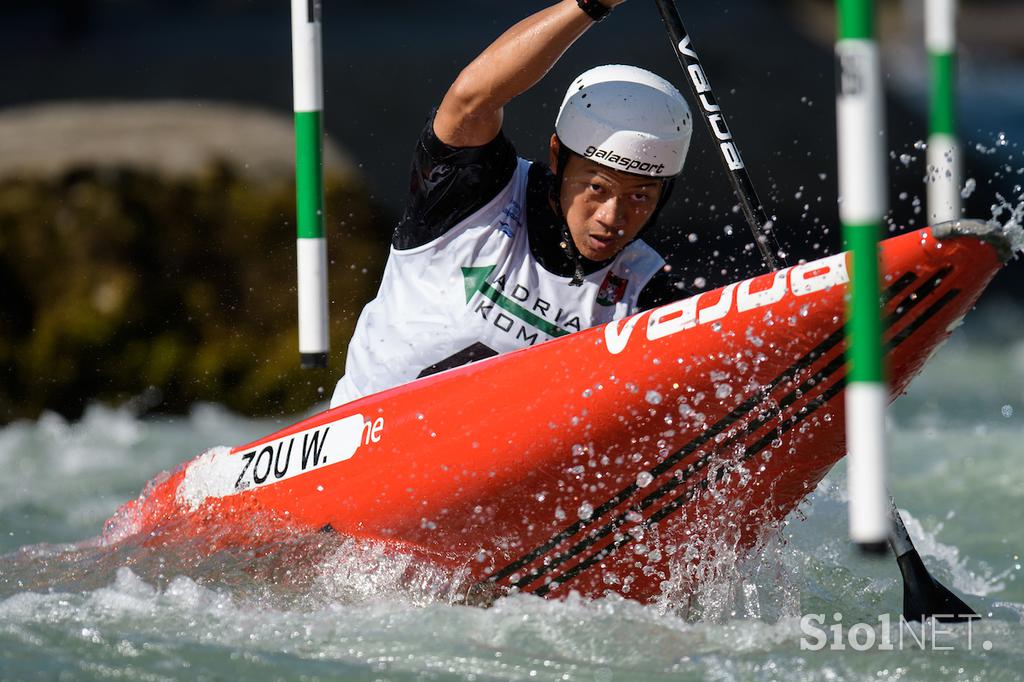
point(496, 253)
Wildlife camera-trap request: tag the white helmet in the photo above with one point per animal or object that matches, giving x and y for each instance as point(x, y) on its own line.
point(626, 118)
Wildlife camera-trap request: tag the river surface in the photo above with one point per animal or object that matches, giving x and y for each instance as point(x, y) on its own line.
point(73, 609)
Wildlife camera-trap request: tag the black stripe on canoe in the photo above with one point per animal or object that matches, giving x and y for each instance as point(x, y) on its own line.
point(735, 415)
point(688, 494)
point(905, 306)
point(825, 372)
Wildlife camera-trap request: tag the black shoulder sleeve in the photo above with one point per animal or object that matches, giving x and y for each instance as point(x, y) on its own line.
point(447, 184)
point(664, 287)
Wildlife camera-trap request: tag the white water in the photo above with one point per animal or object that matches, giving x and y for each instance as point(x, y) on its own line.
point(328, 608)
point(89, 612)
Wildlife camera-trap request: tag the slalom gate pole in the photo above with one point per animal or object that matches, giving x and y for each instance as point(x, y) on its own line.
point(711, 112)
point(862, 189)
point(944, 157)
point(311, 245)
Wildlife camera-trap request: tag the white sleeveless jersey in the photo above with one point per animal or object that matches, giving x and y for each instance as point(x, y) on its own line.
point(477, 291)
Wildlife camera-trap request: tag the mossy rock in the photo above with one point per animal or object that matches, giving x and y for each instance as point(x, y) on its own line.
point(122, 282)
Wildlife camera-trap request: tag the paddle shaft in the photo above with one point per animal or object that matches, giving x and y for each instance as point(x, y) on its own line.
point(711, 112)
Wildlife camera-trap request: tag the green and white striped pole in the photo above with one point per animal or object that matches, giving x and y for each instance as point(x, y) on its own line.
point(307, 84)
point(863, 197)
point(944, 158)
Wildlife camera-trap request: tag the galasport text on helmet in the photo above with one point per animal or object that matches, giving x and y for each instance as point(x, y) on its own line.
point(626, 118)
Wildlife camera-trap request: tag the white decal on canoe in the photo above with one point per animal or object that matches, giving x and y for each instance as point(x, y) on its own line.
point(720, 309)
point(675, 317)
point(747, 301)
point(614, 339)
point(821, 274)
point(220, 472)
point(672, 318)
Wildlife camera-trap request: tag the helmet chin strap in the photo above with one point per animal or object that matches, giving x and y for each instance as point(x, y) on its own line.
point(568, 244)
point(666, 191)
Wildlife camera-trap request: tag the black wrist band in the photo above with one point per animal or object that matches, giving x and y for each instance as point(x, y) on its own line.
point(594, 9)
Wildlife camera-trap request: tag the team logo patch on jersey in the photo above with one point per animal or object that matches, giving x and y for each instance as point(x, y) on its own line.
point(612, 290)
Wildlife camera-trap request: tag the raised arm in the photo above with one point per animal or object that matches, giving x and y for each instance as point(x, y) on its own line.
point(471, 112)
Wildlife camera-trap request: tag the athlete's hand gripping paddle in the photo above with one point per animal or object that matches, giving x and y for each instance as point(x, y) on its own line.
point(711, 112)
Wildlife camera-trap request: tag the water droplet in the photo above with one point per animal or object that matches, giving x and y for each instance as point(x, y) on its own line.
point(1007, 411)
point(723, 391)
point(585, 511)
point(643, 479)
point(653, 397)
point(969, 186)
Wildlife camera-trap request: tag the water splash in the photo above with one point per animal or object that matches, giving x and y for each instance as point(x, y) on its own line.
point(360, 571)
point(327, 607)
point(1008, 217)
point(980, 582)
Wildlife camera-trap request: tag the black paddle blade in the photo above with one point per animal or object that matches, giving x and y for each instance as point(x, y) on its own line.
point(925, 597)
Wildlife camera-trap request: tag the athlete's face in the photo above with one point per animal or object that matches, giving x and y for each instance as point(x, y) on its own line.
point(604, 208)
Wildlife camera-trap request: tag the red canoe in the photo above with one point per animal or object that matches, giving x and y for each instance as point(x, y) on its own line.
point(613, 459)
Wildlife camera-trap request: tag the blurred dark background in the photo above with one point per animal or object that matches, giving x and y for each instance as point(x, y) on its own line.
point(387, 64)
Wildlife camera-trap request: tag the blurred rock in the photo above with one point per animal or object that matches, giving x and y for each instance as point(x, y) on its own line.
point(161, 261)
point(174, 137)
